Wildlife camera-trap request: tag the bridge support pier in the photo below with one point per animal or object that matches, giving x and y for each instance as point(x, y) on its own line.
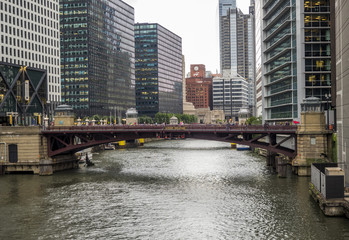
point(281, 167)
point(46, 167)
point(271, 158)
point(313, 145)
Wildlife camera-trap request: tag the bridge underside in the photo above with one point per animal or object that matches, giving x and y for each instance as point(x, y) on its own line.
point(62, 141)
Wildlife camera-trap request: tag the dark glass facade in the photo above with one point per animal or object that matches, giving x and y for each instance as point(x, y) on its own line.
point(23, 94)
point(317, 38)
point(97, 56)
point(158, 70)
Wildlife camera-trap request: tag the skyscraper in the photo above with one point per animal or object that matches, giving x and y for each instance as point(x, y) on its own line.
point(29, 36)
point(258, 58)
point(236, 41)
point(237, 46)
point(97, 56)
point(159, 73)
point(296, 53)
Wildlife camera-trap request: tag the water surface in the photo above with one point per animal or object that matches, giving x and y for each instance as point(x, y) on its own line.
point(186, 189)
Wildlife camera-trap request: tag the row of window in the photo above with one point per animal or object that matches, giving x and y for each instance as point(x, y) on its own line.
point(29, 46)
point(29, 55)
point(30, 35)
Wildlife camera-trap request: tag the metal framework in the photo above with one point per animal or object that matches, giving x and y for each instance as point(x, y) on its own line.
point(12, 86)
point(63, 140)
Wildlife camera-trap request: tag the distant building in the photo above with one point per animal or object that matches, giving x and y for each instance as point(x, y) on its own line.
point(97, 56)
point(29, 36)
point(183, 83)
point(199, 87)
point(159, 72)
point(207, 116)
point(342, 90)
point(237, 44)
point(230, 94)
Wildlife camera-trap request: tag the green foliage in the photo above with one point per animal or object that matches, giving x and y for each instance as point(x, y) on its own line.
point(162, 117)
point(145, 119)
point(96, 117)
point(254, 121)
point(165, 118)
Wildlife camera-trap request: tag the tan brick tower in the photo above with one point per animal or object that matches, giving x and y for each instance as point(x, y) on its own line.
point(313, 140)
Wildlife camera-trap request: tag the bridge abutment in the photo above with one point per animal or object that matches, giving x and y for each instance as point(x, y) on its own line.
point(313, 144)
point(24, 149)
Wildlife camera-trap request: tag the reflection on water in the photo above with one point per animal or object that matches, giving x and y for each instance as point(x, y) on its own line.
point(187, 189)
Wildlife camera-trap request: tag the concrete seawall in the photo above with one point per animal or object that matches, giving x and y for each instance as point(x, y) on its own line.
point(24, 149)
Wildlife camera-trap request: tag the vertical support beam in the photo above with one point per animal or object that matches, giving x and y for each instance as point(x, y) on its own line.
point(49, 147)
point(272, 139)
point(2, 169)
point(271, 159)
point(282, 167)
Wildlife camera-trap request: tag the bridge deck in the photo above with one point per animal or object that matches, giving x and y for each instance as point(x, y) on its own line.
point(176, 128)
point(62, 140)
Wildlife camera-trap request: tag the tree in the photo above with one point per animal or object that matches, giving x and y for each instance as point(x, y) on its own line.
point(145, 119)
point(254, 121)
point(96, 117)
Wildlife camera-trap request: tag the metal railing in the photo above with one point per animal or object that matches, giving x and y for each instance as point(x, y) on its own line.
point(168, 127)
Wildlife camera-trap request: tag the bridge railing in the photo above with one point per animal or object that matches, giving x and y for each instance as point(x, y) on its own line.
point(103, 127)
point(176, 127)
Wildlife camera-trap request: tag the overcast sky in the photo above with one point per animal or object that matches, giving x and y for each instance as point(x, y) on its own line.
point(195, 21)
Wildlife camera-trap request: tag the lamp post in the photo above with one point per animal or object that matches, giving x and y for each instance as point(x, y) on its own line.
point(48, 111)
point(328, 96)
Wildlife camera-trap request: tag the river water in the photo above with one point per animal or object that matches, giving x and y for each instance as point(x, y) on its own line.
point(185, 189)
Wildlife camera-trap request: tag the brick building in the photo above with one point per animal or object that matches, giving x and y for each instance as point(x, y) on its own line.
point(199, 87)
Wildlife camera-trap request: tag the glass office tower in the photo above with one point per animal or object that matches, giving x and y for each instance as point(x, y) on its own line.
point(237, 45)
point(317, 37)
point(280, 60)
point(296, 53)
point(159, 73)
point(97, 56)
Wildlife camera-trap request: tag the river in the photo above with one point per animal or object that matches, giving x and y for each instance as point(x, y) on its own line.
point(185, 189)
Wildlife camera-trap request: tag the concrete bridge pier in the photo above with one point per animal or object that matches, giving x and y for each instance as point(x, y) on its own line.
point(46, 168)
point(313, 139)
point(271, 158)
point(49, 166)
point(24, 149)
point(282, 164)
point(2, 169)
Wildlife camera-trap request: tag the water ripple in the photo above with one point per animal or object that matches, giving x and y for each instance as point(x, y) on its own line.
point(186, 189)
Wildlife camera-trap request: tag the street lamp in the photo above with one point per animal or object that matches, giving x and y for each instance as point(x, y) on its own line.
point(328, 96)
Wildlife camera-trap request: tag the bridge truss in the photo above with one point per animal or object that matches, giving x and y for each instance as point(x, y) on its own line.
point(63, 140)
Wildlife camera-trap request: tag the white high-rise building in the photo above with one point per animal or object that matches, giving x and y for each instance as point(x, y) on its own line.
point(230, 94)
point(29, 36)
point(237, 48)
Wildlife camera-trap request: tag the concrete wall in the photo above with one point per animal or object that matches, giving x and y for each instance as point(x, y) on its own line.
point(342, 84)
point(32, 152)
point(32, 146)
point(313, 142)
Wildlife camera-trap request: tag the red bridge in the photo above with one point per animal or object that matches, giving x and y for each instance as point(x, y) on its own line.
point(64, 140)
